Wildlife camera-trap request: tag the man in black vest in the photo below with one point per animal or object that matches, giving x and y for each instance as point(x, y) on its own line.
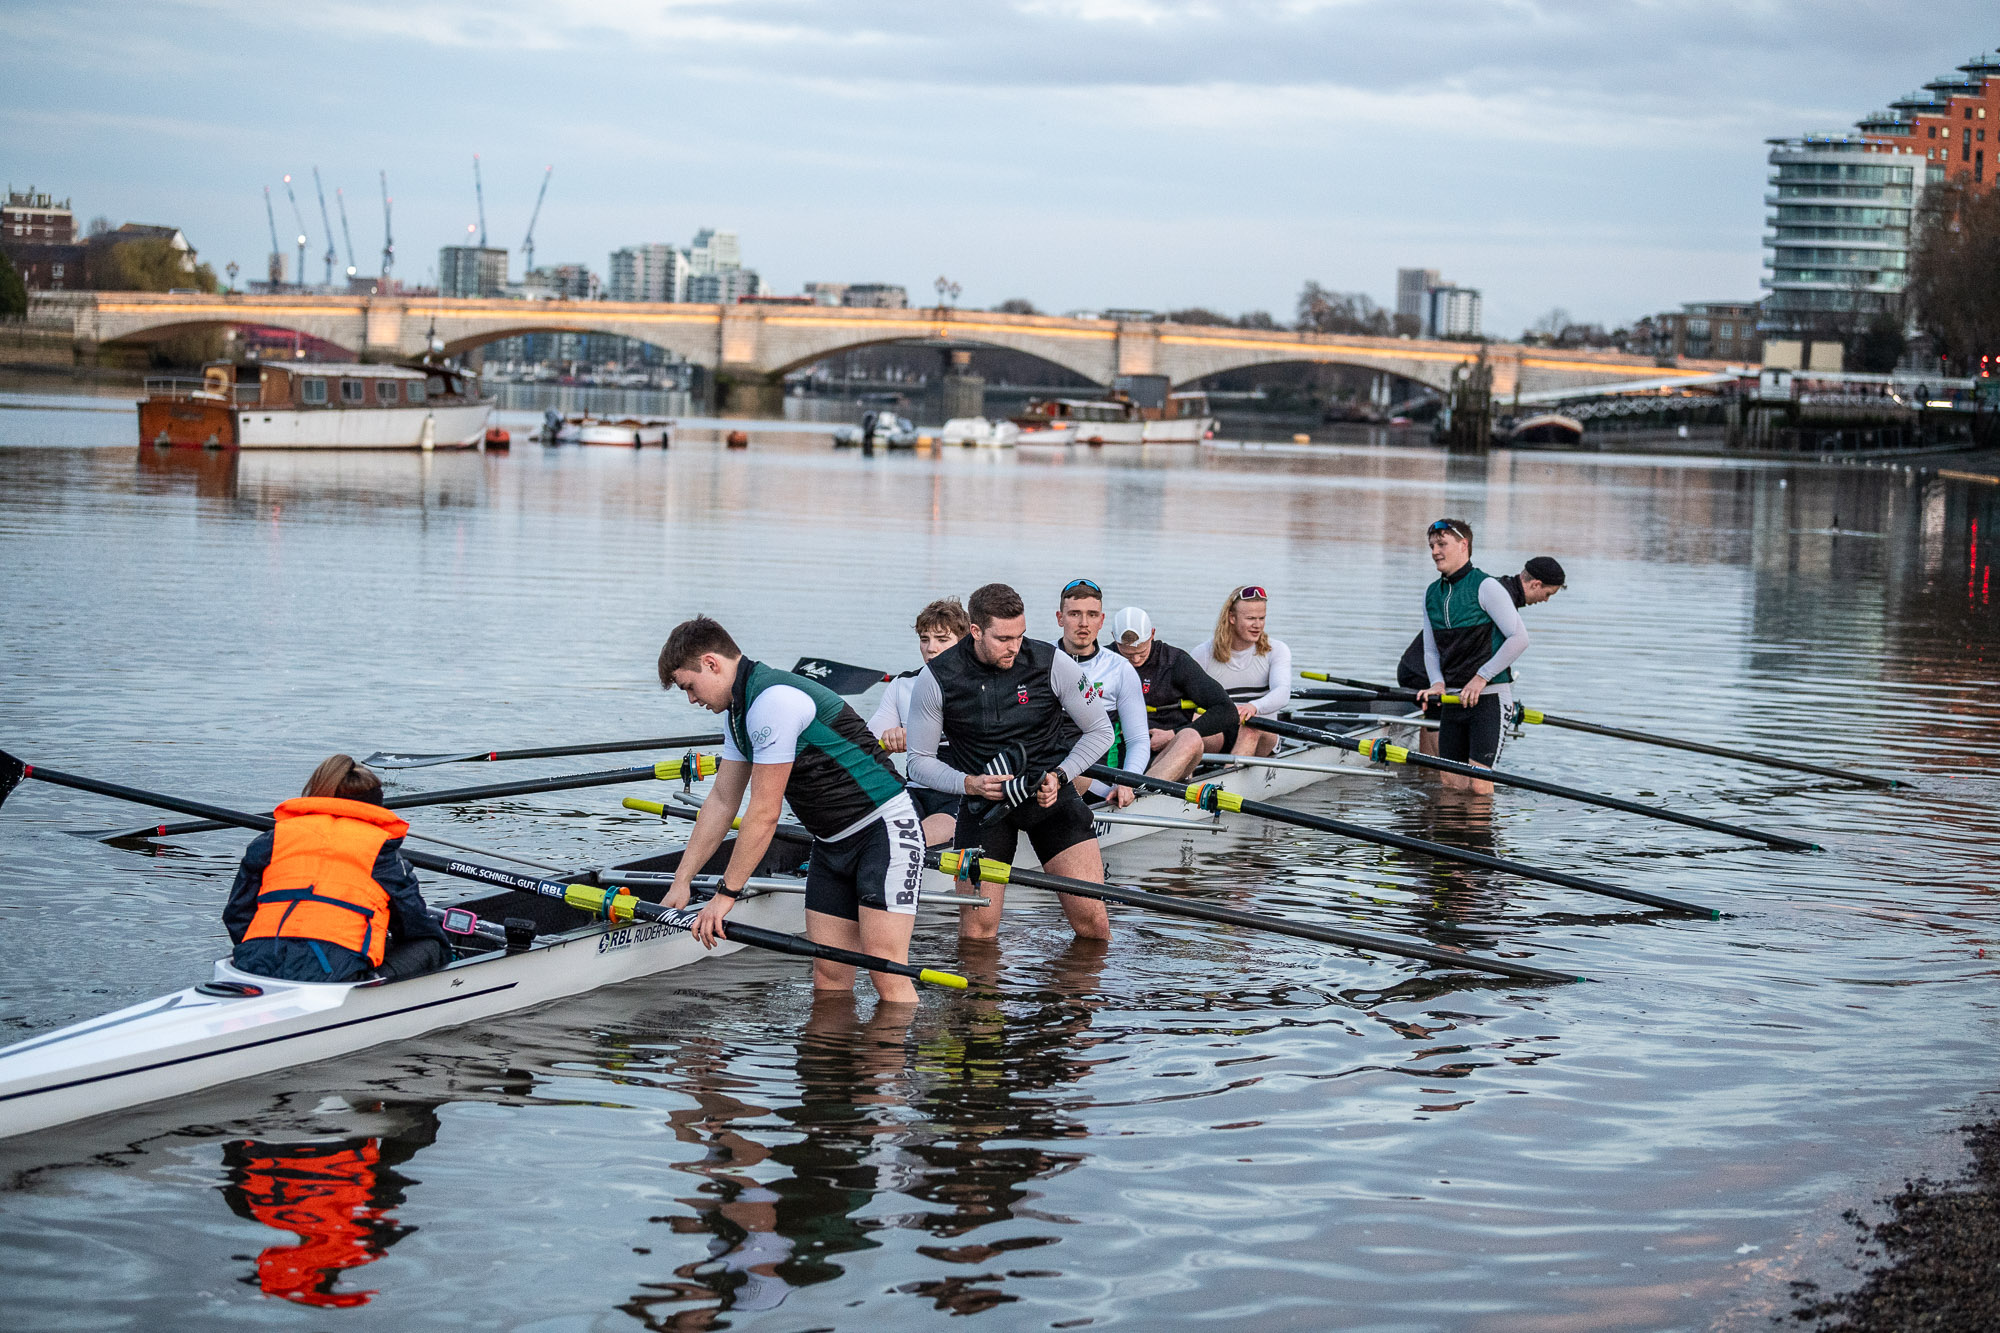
point(1000, 698)
point(1540, 579)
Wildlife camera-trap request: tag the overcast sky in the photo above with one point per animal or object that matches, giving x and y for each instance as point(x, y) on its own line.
point(1606, 156)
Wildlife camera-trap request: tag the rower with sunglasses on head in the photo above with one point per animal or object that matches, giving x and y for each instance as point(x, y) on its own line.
point(1472, 635)
point(1540, 579)
point(1110, 680)
point(1001, 699)
point(1191, 712)
point(1253, 667)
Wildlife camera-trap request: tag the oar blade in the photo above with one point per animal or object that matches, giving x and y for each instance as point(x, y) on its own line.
point(383, 759)
point(12, 771)
point(840, 677)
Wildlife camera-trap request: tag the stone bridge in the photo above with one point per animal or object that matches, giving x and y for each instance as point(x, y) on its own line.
point(751, 347)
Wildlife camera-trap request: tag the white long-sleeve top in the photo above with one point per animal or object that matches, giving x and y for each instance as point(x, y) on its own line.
point(1262, 679)
point(1498, 604)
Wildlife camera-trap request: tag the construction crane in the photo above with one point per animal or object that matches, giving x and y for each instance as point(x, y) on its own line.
point(528, 246)
point(277, 264)
point(326, 224)
point(340, 202)
point(479, 193)
point(388, 238)
point(300, 218)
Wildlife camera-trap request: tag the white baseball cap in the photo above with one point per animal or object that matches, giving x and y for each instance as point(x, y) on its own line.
point(1131, 626)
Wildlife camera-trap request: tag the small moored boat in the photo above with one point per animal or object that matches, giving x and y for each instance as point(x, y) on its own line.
point(316, 405)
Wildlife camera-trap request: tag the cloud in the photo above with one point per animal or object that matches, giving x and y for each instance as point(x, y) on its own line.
point(1606, 156)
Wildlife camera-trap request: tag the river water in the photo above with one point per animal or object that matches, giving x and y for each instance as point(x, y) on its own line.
point(1193, 1126)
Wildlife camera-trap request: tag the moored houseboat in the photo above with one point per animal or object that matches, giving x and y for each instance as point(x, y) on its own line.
point(1138, 410)
point(316, 405)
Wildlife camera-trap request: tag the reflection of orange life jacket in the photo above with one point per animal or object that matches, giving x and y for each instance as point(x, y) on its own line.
point(327, 1196)
point(320, 884)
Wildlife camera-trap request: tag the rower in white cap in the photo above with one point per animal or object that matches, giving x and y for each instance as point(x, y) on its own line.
point(1191, 711)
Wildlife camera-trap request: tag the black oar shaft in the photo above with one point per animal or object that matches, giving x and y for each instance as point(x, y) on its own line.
point(397, 759)
point(1227, 800)
point(609, 901)
point(1535, 715)
point(998, 872)
point(1385, 753)
point(491, 791)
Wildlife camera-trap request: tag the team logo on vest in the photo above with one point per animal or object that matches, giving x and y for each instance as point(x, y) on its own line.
point(1021, 694)
point(1091, 690)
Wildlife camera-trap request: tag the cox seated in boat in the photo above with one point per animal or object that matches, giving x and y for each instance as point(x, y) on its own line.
point(326, 895)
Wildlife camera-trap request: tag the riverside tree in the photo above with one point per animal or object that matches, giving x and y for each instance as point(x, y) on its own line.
point(1955, 273)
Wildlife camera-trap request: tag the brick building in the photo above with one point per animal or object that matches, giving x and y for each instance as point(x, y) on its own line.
point(1951, 122)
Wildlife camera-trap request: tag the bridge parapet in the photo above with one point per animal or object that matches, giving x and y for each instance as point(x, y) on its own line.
point(757, 344)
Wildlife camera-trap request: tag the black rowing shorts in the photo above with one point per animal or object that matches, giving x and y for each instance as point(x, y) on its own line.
point(881, 867)
point(930, 801)
point(1471, 735)
point(1052, 830)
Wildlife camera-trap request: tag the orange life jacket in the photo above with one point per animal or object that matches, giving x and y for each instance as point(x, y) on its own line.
point(320, 884)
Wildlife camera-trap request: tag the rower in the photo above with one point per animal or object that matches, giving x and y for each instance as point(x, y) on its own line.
point(1254, 668)
point(1000, 698)
point(939, 626)
point(1191, 712)
point(326, 895)
point(1110, 680)
point(788, 738)
point(1540, 579)
point(1472, 635)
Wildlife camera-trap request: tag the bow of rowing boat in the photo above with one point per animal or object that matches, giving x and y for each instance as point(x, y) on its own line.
point(239, 1025)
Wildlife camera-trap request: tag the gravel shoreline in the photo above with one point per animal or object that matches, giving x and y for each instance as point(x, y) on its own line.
point(1936, 1258)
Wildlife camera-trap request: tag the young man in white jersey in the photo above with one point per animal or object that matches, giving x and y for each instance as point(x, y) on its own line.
point(1110, 680)
point(939, 626)
point(1253, 667)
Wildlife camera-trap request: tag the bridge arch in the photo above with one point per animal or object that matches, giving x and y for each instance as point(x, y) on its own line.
point(686, 342)
point(168, 330)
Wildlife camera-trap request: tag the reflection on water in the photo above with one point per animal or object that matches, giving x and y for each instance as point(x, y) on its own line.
point(338, 1197)
point(1190, 1125)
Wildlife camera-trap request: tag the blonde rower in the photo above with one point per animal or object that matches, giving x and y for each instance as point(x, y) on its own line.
point(1253, 667)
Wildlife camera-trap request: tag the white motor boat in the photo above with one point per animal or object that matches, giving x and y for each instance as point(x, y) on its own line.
point(980, 433)
point(630, 432)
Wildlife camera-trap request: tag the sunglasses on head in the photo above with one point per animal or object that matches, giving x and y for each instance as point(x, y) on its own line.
point(1252, 593)
point(1443, 525)
point(1075, 586)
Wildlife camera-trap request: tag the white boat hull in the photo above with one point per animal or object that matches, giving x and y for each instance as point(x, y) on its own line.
point(454, 426)
point(1063, 434)
point(1183, 430)
point(187, 1041)
point(1111, 432)
point(631, 434)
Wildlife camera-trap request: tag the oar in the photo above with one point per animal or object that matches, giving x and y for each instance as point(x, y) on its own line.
point(609, 903)
point(1537, 716)
point(397, 759)
point(999, 872)
point(1383, 752)
point(1211, 796)
point(667, 771)
point(840, 677)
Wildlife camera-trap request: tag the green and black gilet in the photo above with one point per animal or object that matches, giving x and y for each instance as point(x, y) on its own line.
point(1466, 636)
point(840, 773)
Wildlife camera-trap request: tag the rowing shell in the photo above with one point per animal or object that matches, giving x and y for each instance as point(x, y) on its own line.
point(238, 1025)
point(1157, 812)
